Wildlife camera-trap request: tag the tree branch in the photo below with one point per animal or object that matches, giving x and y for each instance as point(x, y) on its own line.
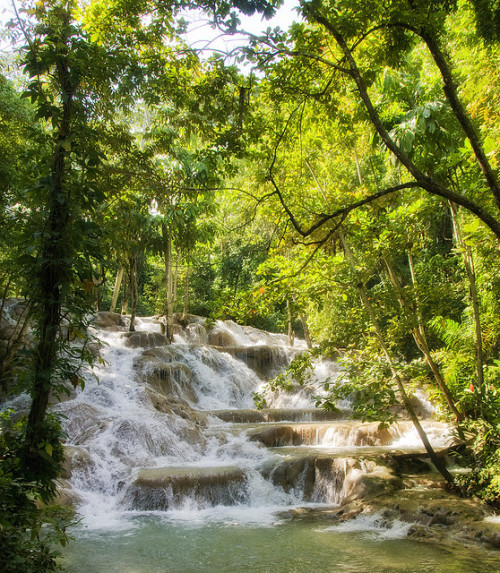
point(423, 180)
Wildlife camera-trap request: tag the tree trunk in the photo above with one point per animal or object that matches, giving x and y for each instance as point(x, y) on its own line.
point(185, 310)
point(176, 276)
point(133, 291)
point(307, 335)
point(418, 332)
point(471, 276)
point(55, 264)
point(291, 337)
point(169, 311)
point(436, 460)
point(116, 289)
point(125, 294)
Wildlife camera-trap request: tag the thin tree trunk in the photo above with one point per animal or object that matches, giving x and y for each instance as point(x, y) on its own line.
point(176, 276)
point(358, 166)
point(307, 335)
point(305, 327)
point(471, 276)
point(291, 337)
point(134, 295)
point(169, 278)
point(436, 460)
point(418, 332)
point(125, 294)
point(185, 310)
point(99, 282)
point(116, 289)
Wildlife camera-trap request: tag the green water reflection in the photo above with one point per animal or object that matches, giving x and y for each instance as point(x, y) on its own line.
point(157, 546)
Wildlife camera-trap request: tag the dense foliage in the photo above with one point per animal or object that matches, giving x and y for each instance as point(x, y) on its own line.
point(342, 187)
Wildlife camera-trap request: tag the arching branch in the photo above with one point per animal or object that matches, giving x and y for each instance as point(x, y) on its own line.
point(426, 182)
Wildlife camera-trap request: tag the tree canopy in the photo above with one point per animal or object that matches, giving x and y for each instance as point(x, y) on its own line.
point(338, 180)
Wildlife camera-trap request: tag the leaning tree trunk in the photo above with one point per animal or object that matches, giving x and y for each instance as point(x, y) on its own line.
point(116, 289)
point(365, 300)
point(474, 296)
point(418, 332)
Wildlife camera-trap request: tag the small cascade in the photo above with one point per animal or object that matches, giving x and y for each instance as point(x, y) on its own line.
point(172, 427)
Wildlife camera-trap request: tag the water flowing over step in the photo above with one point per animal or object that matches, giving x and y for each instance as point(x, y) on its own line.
point(172, 427)
point(337, 434)
point(243, 416)
point(167, 488)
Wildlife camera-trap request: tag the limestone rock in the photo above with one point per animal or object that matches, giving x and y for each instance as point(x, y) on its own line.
point(220, 338)
point(76, 458)
point(139, 339)
point(157, 368)
point(164, 488)
point(266, 361)
point(106, 319)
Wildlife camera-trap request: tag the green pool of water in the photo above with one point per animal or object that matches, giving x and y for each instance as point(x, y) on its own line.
point(153, 544)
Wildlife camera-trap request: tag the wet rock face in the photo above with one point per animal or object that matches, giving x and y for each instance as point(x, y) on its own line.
point(244, 416)
point(108, 320)
point(77, 459)
point(196, 333)
point(159, 369)
point(220, 338)
point(144, 339)
point(319, 479)
point(341, 434)
point(264, 360)
point(83, 422)
point(166, 488)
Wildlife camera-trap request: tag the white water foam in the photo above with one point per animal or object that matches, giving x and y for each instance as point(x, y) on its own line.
point(114, 431)
point(374, 525)
point(439, 435)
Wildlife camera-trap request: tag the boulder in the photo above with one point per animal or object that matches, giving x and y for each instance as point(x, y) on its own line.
point(77, 459)
point(139, 339)
point(220, 338)
point(165, 376)
point(108, 320)
point(266, 361)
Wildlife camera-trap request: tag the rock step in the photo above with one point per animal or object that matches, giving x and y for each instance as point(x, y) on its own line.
point(167, 488)
point(251, 416)
point(323, 479)
point(336, 434)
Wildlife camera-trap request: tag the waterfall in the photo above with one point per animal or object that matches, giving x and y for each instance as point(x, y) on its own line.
point(171, 429)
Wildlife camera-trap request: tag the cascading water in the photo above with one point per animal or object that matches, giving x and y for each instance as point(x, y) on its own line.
point(171, 468)
point(125, 454)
